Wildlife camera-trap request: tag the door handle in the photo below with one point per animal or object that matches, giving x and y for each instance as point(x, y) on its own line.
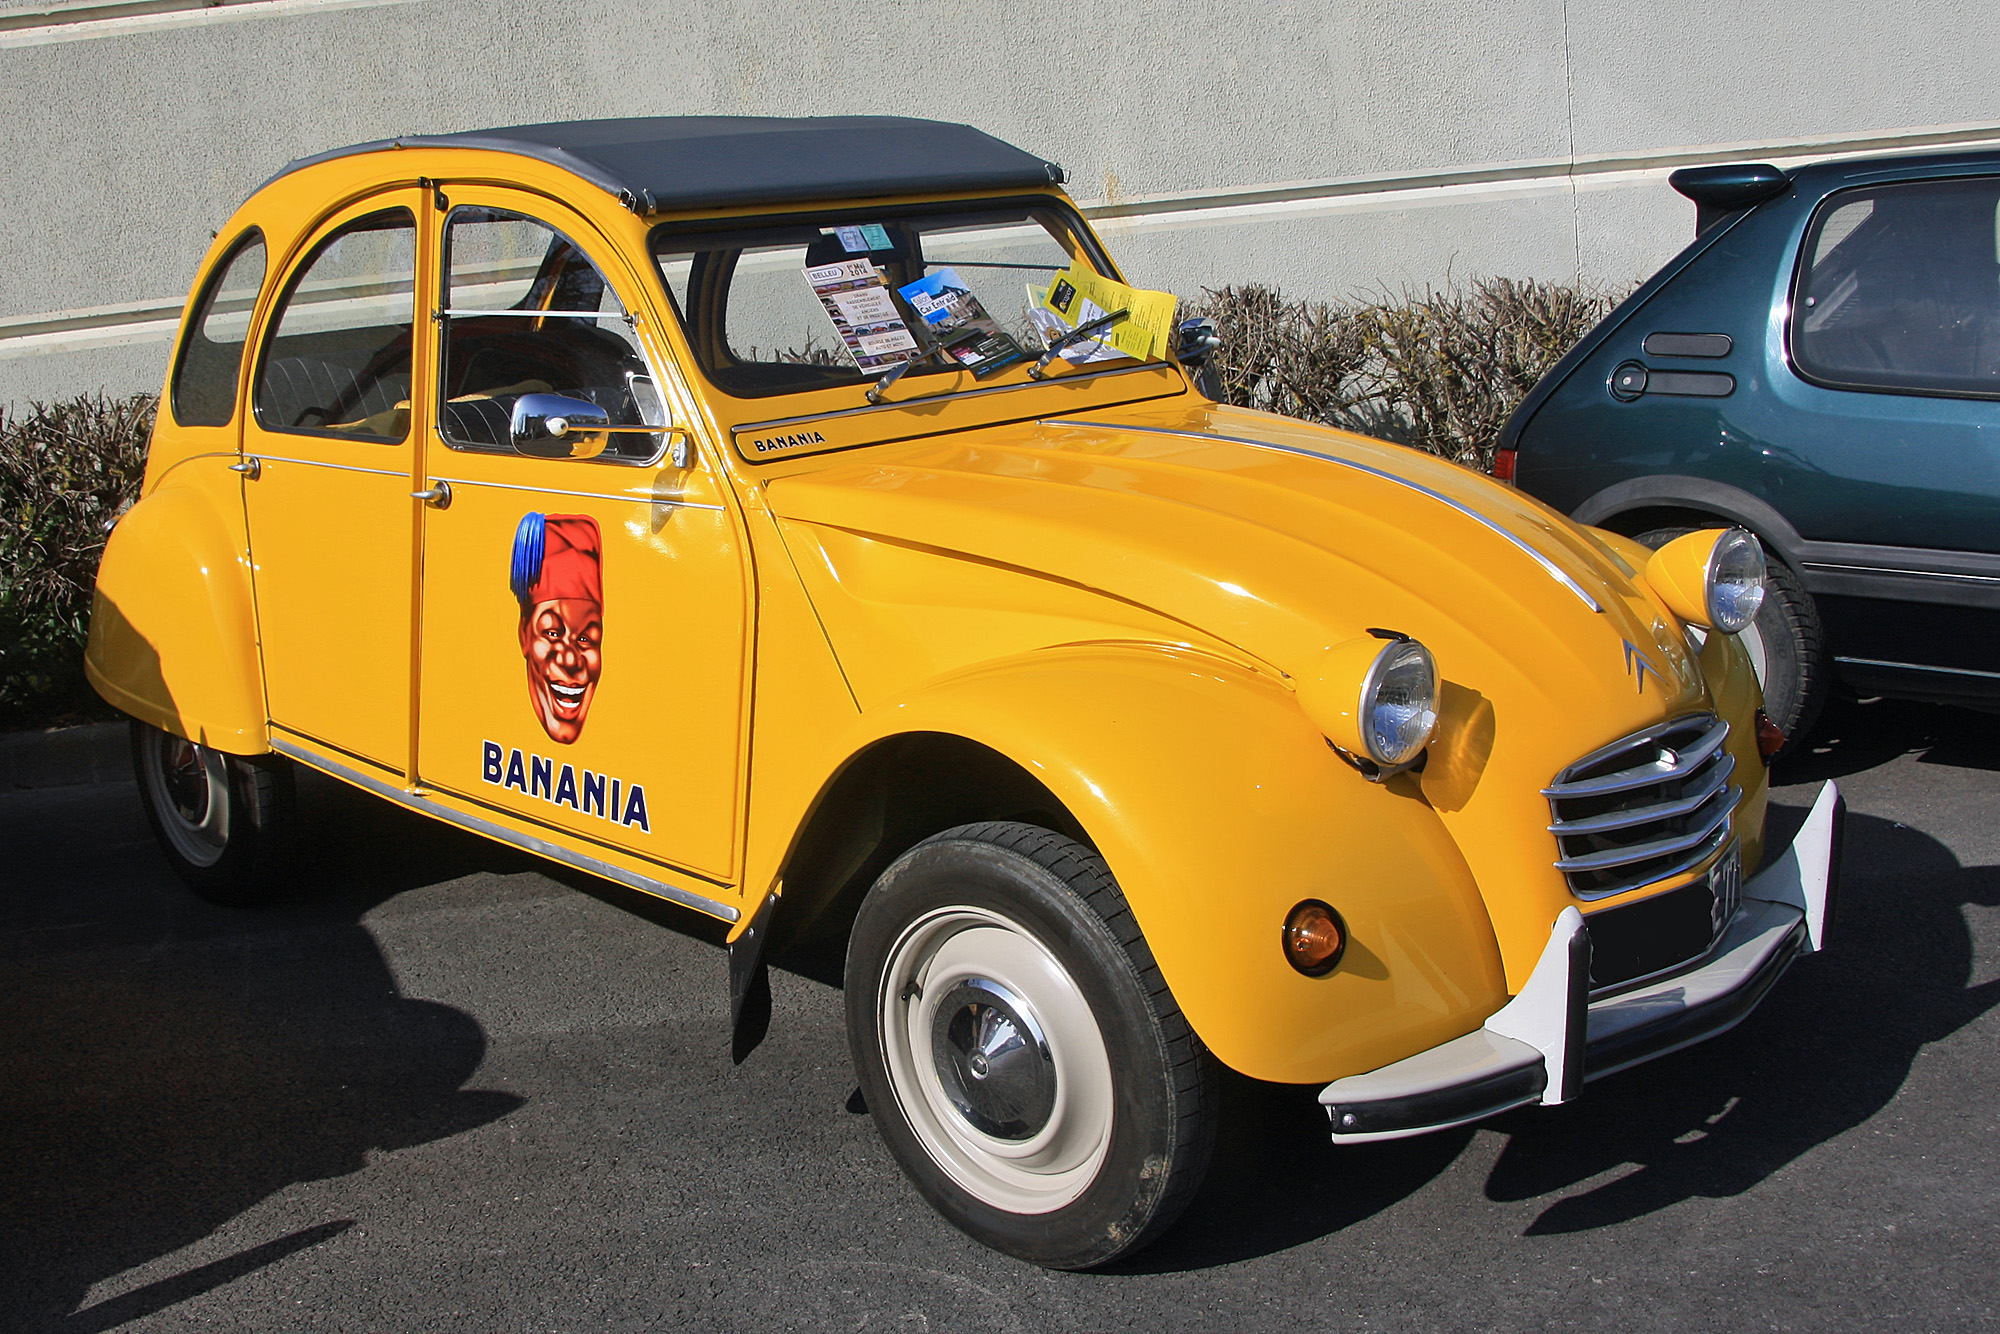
point(251, 468)
point(437, 495)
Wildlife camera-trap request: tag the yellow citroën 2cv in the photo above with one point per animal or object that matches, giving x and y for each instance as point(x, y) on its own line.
point(800, 521)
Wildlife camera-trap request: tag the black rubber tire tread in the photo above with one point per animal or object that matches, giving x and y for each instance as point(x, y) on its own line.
point(1193, 1074)
point(1788, 611)
point(1809, 642)
point(256, 867)
point(1194, 1071)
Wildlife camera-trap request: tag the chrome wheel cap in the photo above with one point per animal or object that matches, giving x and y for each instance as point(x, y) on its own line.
point(991, 1060)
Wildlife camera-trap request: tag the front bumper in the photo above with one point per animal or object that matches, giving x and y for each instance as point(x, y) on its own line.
point(1541, 1046)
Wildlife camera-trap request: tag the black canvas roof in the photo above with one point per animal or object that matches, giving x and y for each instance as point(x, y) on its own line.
point(656, 163)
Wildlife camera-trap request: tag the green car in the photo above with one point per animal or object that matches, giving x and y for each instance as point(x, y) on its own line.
point(1821, 366)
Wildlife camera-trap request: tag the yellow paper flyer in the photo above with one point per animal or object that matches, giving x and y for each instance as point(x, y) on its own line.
point(1078, 296)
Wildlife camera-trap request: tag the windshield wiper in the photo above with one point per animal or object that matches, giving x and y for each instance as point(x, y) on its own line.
point(895, 374)
point(1072, 338)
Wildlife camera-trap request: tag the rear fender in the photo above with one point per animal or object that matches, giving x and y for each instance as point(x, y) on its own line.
point(1219, 807)
point(172, 627)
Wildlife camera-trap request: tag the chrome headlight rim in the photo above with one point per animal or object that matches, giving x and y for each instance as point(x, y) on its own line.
point(1388, 659)
point(1732, 612)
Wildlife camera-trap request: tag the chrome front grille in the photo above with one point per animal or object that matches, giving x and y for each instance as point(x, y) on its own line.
point(1644, 808)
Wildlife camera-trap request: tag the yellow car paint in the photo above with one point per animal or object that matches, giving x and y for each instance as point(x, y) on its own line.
point(172, 628)
point(1107, 581)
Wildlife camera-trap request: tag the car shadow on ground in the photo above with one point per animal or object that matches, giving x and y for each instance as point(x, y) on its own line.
point(1827, 1051)
point(1852, 736)
point(169, 1065)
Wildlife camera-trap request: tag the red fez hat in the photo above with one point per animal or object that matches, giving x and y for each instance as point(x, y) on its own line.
point(571, 560)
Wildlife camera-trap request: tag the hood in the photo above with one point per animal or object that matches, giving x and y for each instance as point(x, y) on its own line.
point(1279, 539)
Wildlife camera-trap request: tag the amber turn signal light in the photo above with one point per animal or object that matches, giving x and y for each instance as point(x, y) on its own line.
point(1315, 938)
point(1770, 736)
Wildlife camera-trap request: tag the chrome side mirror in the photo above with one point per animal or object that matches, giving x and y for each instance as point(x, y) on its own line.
point(555, 426)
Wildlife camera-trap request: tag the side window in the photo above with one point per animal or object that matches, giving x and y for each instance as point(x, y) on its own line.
point(204, 392)
point(1901, 289)
point(526, 312)
point(337, 359)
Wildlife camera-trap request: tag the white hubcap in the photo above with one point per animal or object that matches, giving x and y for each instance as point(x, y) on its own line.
point(996, 1060)
point(190, 789)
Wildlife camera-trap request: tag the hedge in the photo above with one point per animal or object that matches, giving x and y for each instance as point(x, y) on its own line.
point(1440, 371)
point(67, 471)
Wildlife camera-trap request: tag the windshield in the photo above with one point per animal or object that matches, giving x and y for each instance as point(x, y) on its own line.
point(776, 306)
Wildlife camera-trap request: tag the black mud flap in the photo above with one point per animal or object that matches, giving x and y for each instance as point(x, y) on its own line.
point(750, 984)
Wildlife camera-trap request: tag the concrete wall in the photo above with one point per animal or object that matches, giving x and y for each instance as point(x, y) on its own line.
point(1322, 147)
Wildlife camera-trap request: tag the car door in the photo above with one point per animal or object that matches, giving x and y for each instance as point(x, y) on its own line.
point(328, 460)
point(1894, 333)
point(584, 623)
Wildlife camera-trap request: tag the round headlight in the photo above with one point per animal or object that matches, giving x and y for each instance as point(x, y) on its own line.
point(1376, 701)
point(1399, 703)
point(1735, 581)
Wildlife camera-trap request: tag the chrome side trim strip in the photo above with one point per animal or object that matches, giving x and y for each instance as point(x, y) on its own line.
point(403, 473)
point(1554, 571)
point(582, 495)
point(523, 314)
point(525, 842)
point(925, 399)
point(1919, 667)
point(1947, 576)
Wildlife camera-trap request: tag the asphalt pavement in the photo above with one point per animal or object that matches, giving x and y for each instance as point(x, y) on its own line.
point(443, 1088)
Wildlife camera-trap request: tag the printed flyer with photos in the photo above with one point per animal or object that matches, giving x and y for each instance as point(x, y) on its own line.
point(959, 325)
point(857, 300)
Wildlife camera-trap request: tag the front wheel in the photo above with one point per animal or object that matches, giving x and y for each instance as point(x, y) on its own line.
point(1019, 1051)
point(219, 818)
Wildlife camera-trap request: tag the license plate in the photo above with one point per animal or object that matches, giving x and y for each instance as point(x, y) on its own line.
point(1726, 880)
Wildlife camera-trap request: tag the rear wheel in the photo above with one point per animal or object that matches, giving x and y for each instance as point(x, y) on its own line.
point(219, 818)
point(1022, 1057)
point(1785, 645)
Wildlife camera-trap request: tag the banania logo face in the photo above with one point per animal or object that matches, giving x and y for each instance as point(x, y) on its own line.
point(777, 442)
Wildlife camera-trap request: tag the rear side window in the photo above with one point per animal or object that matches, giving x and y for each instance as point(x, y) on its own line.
point(337, 359)
point(204, 392)
point(1900, 289)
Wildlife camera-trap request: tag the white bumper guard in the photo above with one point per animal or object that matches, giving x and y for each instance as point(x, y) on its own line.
point(1542, 1045)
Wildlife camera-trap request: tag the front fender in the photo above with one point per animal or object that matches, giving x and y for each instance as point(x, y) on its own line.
point(172, 626)
point(1219, 806)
